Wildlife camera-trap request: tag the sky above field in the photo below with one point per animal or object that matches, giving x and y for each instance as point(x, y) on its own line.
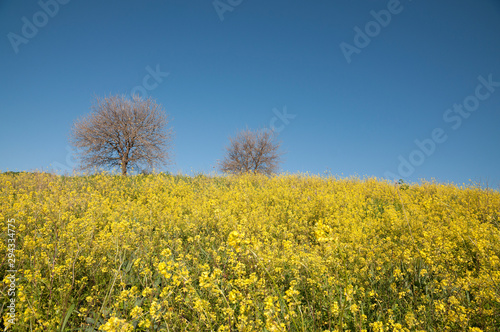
point(397, 89)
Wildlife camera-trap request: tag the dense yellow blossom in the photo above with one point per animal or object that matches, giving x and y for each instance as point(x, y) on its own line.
point(250, 253)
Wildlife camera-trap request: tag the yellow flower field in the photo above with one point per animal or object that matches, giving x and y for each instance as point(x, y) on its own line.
point(249, 253)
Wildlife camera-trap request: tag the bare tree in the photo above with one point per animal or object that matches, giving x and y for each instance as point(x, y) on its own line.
point(124, 132)
point(252, 151)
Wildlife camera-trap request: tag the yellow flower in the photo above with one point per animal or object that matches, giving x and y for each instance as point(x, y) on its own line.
point(136, 312)
point(115, 324)
point(250, 252)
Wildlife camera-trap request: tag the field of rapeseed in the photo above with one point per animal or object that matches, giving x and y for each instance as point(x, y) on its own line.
point(250, 253)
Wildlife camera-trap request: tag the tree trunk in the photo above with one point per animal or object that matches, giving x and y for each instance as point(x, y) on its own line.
point(124, 167)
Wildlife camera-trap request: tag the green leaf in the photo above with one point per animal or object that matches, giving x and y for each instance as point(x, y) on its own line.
point(68, 313)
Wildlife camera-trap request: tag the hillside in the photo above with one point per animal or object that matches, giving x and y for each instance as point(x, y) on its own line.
point(250, 253)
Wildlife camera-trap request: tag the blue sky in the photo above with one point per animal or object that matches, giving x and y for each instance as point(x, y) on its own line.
point(361, 81)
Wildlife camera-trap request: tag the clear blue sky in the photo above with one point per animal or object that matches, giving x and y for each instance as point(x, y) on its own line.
point(360, 99)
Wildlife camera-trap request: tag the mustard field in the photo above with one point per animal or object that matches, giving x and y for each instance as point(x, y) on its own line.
point(250, 253)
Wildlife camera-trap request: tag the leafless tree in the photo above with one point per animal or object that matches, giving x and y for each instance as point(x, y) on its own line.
point(252, 151)
point(124, 132)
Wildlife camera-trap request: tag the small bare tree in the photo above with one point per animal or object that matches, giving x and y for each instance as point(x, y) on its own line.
point(124, 132)
point(252, 151)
